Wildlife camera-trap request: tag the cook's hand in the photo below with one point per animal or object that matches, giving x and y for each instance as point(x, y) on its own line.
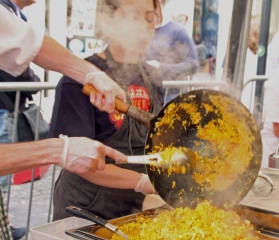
point(145, 186)
point(108, 89)
point(82, 154)
point(154, 63)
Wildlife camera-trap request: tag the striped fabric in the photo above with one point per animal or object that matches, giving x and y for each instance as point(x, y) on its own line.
point(5, 232)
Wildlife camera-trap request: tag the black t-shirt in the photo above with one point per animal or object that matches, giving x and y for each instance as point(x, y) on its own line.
point(27, 76)
point(74, 115)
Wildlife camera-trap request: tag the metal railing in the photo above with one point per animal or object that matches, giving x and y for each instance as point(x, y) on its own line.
point(18, 87)
point(185, 86)
point(256, 104)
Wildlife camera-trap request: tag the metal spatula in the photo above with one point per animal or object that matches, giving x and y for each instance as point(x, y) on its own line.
point(78, 212)
point(180, 161)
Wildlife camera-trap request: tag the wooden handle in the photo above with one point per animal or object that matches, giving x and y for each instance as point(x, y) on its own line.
point(119, 104)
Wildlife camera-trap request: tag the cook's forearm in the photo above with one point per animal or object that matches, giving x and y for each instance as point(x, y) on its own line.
point(53, 56)
point(21, 156)
point(114, 177)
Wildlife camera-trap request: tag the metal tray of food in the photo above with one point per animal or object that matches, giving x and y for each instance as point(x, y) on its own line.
point(260, 207)
point(97, 232)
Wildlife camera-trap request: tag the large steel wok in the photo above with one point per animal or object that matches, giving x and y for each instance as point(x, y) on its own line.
point(224, 137)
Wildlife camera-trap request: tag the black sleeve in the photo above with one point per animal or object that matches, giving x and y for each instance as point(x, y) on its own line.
point(28, 76)
point(72, 114)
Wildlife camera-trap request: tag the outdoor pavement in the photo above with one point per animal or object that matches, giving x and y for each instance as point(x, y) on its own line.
point(19, 201)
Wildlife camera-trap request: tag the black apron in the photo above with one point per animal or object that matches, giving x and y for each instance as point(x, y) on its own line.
point(106, 202)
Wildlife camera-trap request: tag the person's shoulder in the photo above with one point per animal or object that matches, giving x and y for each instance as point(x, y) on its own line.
point(177, 29)
point(95, 59)
point(180, 33)
point(171, 29)
point(99, 62)
point(6, 77)
point(8, 5)
point(65, 78)
point(65, 82)
point(175, 26)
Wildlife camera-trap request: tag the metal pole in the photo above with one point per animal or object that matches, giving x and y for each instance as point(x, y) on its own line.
point(203, 7)
point(14, 139)
point(238, 13)
point(33, 170)
point(51, 193)
point(262, 54)
point(241, 55)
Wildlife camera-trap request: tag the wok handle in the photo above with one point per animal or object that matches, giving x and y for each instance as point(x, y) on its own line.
point(119, 104)
point(78, 212)
point(142, 159)
point(129, 110)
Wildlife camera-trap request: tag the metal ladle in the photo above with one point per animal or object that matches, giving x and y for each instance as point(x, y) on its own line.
point(181, 160)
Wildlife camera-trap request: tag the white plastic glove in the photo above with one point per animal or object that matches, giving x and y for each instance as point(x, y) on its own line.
point(154, 63)
point(82, 154)
point(108, 89)
point(145, 186)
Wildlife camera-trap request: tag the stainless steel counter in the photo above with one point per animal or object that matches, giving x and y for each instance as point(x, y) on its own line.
point(263, 199)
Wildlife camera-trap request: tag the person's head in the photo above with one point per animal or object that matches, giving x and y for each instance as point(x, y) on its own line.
point(130, 24)
point(254, 34)
point(23, 3)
